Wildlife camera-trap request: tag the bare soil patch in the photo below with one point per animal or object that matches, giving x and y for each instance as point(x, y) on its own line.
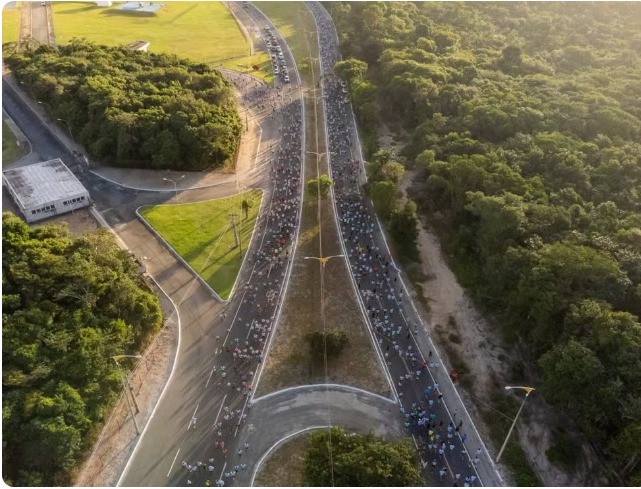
point(284, 468)
point(79, 222)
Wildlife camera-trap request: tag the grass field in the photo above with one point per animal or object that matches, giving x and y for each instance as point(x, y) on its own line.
point(10, 22)
point(201, 234)
point(201, 31)
point(10, 150)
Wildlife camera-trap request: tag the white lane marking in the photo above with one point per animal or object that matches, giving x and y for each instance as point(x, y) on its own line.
point(172, 464)
point(222, 471)
point(193, 416)
point(221, 408)
point(210, 374)
point(240, 419)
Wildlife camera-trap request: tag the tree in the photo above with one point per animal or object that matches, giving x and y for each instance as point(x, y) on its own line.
point(384, 195)
point(392, 171)
point(246, 205)
point(322, 184)
point(69, 304)
point(403, 227)
point(359, 461)
point(351, 70)
point(145, 111)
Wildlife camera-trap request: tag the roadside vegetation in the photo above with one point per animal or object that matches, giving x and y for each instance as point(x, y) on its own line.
point(359, 461)
point(134, 109)
point(203, 235)
point(524, 126)
point(68, 305)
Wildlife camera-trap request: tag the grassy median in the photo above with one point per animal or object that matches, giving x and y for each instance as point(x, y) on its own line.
point(202, 235)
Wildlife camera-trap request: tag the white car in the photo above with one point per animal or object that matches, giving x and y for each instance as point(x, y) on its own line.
point(286, 78)
point(276, 71)
point(280, 56)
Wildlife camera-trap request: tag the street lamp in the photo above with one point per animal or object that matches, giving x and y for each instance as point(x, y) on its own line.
point(174, 182)
point(47, 105)
point(68, 127)
point(322, 261)
point(527, 393)
point(126, 387)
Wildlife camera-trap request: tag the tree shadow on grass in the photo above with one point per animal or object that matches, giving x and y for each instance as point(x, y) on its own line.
point(127, 13)
point(86, 8)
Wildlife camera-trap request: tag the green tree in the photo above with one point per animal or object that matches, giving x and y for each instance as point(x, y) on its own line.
point(359, 461)
point(384, 195)
point(245, 205)
point(322, 184)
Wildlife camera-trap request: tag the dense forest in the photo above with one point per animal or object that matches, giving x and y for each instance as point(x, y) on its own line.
point(134, 109)
point(523, 125)
point(68, 305)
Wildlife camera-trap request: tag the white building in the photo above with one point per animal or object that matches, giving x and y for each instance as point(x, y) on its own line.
point(45, 189)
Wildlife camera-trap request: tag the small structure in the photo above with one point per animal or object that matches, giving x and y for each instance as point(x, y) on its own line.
point(143, 7)
point(138, 46)
point(45, 189)
point(103, 4)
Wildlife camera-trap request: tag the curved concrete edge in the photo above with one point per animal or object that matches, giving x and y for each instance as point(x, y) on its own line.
point(155, 189)
point(276, 445)
point(313, 387)
point(284, 287)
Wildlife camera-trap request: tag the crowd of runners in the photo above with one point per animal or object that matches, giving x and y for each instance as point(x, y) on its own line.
point(248, 322)
point(439, 436)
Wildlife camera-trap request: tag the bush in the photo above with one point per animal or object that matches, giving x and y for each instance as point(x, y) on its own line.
point(334, 341)
point(323, 184)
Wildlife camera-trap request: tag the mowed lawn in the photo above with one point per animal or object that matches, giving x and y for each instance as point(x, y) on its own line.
point(202, 235)
point(10, 22)
point(204, 32)
point(10, 150)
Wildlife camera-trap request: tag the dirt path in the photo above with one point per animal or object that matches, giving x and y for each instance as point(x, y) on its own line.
point(479, 344)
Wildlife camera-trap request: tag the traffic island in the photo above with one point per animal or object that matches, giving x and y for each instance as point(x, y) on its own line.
point(212, 236)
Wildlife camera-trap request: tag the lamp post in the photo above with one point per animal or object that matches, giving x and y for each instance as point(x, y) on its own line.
point(323, 261)
point(68, 127)
point(126, 387)
point(46, 105)
point(527, 393)
point(175, 184)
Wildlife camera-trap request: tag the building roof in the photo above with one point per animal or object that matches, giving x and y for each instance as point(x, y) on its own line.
point(138, 45)
point(42, 183)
